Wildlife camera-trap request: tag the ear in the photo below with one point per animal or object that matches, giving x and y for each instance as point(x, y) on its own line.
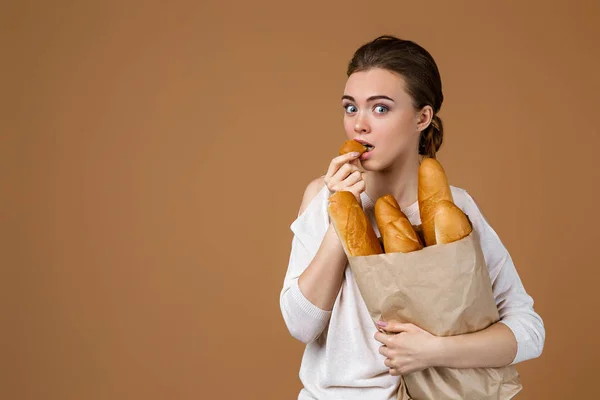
point(424, 118)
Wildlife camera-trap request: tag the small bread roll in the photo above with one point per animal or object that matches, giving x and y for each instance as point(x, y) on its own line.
point(397, 233)
point(352, 225)
point(451, 224)
point(352, 145)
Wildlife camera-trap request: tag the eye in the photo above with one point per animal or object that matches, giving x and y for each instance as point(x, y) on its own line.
point(349, 108)
point(381, 109)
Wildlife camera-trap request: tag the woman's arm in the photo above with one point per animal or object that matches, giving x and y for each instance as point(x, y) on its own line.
point(494, 346)
point(321, 280)
point(315, 271)
point(515, 305)
point(409, 348)
point(318, 260)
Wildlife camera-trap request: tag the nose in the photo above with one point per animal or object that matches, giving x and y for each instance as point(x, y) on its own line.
point(361, 124)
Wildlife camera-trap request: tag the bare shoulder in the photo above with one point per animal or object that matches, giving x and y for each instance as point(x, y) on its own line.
point(312, 189)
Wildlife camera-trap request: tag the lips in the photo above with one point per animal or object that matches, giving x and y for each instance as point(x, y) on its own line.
point(368, 145)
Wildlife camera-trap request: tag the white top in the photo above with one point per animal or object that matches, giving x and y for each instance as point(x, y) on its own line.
point(342, 359)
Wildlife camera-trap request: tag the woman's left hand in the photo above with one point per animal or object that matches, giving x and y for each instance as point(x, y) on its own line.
point(408, 348)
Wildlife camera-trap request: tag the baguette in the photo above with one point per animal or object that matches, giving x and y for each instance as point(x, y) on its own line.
point(352, 145)
point(451, 224)
point(396, 231)
point(433, 187)
point(352, 225)
point(435, 196)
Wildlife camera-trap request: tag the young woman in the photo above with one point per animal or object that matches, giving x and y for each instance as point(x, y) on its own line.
point(391, 101)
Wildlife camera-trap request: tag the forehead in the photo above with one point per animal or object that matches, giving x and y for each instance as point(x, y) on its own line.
point(374, 81)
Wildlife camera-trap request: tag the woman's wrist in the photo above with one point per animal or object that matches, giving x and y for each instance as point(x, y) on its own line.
point(437, 353)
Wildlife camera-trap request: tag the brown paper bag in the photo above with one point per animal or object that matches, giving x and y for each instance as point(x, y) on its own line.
point(446, 290)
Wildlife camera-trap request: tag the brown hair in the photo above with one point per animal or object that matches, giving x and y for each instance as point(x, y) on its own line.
point(419, 70)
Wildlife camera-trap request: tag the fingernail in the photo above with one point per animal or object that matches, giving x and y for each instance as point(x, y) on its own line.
point(355, 154)
point(382, 323)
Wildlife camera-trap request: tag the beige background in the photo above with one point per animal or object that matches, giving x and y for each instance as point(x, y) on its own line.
point(154, 154)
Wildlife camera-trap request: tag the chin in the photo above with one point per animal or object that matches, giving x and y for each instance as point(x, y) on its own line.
point(371, 165)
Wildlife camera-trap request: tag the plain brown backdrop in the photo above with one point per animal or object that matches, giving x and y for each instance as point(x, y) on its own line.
point(154, 154)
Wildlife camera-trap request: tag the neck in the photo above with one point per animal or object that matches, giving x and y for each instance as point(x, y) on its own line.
point(400, 180)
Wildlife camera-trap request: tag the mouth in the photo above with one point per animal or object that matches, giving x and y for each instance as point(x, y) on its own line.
point(368, 145)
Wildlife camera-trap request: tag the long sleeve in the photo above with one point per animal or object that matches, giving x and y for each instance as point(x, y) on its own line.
point(515, 305)
point(304, 320)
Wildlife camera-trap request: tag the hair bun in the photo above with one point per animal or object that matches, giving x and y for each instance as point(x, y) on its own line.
point(431, 138)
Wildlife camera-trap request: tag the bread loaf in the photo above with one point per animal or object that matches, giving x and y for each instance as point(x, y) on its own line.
point(451, 224)
point(441, 220)
point(396, 231)
point(352, 145)
point(352, 225)
point(432, 188)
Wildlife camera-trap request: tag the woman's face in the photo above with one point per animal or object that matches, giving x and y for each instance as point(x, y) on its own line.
point(378, 111)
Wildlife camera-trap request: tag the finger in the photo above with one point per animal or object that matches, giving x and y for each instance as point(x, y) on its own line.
point(357, 188)
point(397, 327)
point(388, 363)
point(343, 172)
point(336, 173)
point(394, 372)
point(353, 178)
point(382, 338)
point(338, 161)
point(354, 162)
point(384, 351)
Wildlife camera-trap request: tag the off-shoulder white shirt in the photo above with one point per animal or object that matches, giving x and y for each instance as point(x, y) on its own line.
point(341, 359)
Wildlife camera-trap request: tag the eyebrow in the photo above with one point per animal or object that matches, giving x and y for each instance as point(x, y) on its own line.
point(378, 97)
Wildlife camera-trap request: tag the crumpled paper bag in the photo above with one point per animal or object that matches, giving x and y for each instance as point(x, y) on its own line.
point(446, 290)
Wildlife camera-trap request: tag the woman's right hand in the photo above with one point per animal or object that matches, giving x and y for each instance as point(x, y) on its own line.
point(344, 175)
